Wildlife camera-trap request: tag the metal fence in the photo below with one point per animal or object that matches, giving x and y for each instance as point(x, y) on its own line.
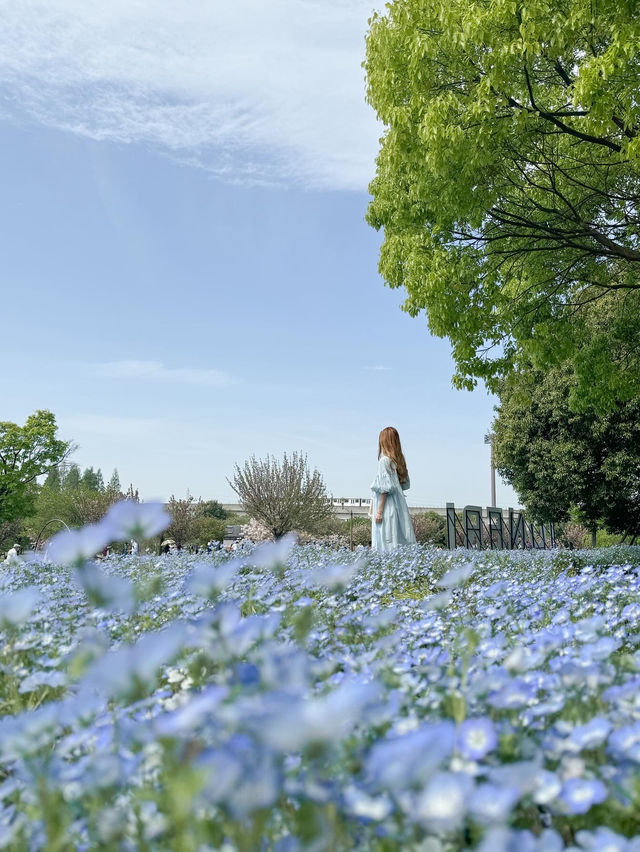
point(493, 530)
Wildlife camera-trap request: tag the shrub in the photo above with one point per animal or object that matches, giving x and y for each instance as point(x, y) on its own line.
point(283, 495)
point(430, 528)
point(358, 530)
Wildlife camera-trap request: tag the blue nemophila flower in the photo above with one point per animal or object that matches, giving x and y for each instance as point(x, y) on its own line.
point(599, 650)
point(591, 735)
point(476, 738)
point(272, 553)
point(442, 804)
point(588, 629)
point(70, 547)
point(106, 591)
point(129, 669)
point(38, 679)
point(191, 714)
point(501, 839)
point(401, 762)
point(546, 787)
point(360, 804)
point(456, 576)
point(522, 659)
point(521, 775)
point(604, 840)
point(17, 607)
point(625, 742)
point(514, 694)
point(208, 580)
point(492, 803)
point(131, 520)
point(335, 575)
point(579, 794)
point(291, 724)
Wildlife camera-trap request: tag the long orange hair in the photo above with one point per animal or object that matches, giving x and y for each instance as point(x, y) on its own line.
point(389, 445)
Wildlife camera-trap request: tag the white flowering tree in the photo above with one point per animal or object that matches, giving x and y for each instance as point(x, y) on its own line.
point(283, 495)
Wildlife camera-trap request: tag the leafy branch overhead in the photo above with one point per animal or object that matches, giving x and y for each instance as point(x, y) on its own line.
point(508, 182)
point(284, 495)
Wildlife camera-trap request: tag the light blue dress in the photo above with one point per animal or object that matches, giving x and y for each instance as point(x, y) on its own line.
point(396, 527)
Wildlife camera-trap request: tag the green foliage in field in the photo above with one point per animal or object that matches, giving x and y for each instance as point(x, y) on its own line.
point(558, 459)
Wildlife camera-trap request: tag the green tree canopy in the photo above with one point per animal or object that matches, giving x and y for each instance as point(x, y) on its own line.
point(114, 482)
point(92, 480)
point(213, 509)
point(558, 459)
point(27, 452)
point(508, 182)
point(71, 478)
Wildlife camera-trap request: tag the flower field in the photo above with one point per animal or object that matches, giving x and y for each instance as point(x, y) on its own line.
point(301, 698)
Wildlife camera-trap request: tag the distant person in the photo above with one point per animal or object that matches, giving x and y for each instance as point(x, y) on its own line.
point(134, 547)
point(390, 519)
point(13, 553)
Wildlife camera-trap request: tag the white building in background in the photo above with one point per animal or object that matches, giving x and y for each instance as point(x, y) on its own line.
point(345, 507)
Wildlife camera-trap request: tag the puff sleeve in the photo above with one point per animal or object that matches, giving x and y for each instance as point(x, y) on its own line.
point(384, 481)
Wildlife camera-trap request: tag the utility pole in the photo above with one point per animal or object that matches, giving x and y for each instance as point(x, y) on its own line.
point(488, 439)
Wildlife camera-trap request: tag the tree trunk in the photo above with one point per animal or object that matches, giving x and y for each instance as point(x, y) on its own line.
point(593, 537)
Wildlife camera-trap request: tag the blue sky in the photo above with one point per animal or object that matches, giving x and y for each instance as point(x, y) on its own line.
point(187, 275)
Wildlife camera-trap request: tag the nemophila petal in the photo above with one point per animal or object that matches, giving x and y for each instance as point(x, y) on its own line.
point(625, 742)
point(522, 659)
point(514, 694)
point(207, 580)
point(491, 803)
point(72, 546)
point(546, 787)
point(602, 840)
point(588, 629)
point(335, 575)
point(476, 738)
point(104, 590)
point(402, 761)
point(131, 520)
point(600, 650)
point(272, 553)
point(37, 680)
point(521, 775)
point(437, 602)
point(578, 795)
point(228, 616)
point(297, 723)
point(456, 576)
point(590, 735)
point(631, 612)
point(130, 668)
point(360, 804)
point(443, 803)
point(17, 607)
point(191, 714)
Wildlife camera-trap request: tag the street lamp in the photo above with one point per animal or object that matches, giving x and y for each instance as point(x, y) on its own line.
point(488, 439)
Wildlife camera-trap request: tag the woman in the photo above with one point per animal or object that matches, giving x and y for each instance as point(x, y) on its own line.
point(390, 520)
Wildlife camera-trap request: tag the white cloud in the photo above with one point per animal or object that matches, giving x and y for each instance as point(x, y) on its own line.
point(377, 369)
point(252, 90)
point(108, 426)
point(156, 371)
